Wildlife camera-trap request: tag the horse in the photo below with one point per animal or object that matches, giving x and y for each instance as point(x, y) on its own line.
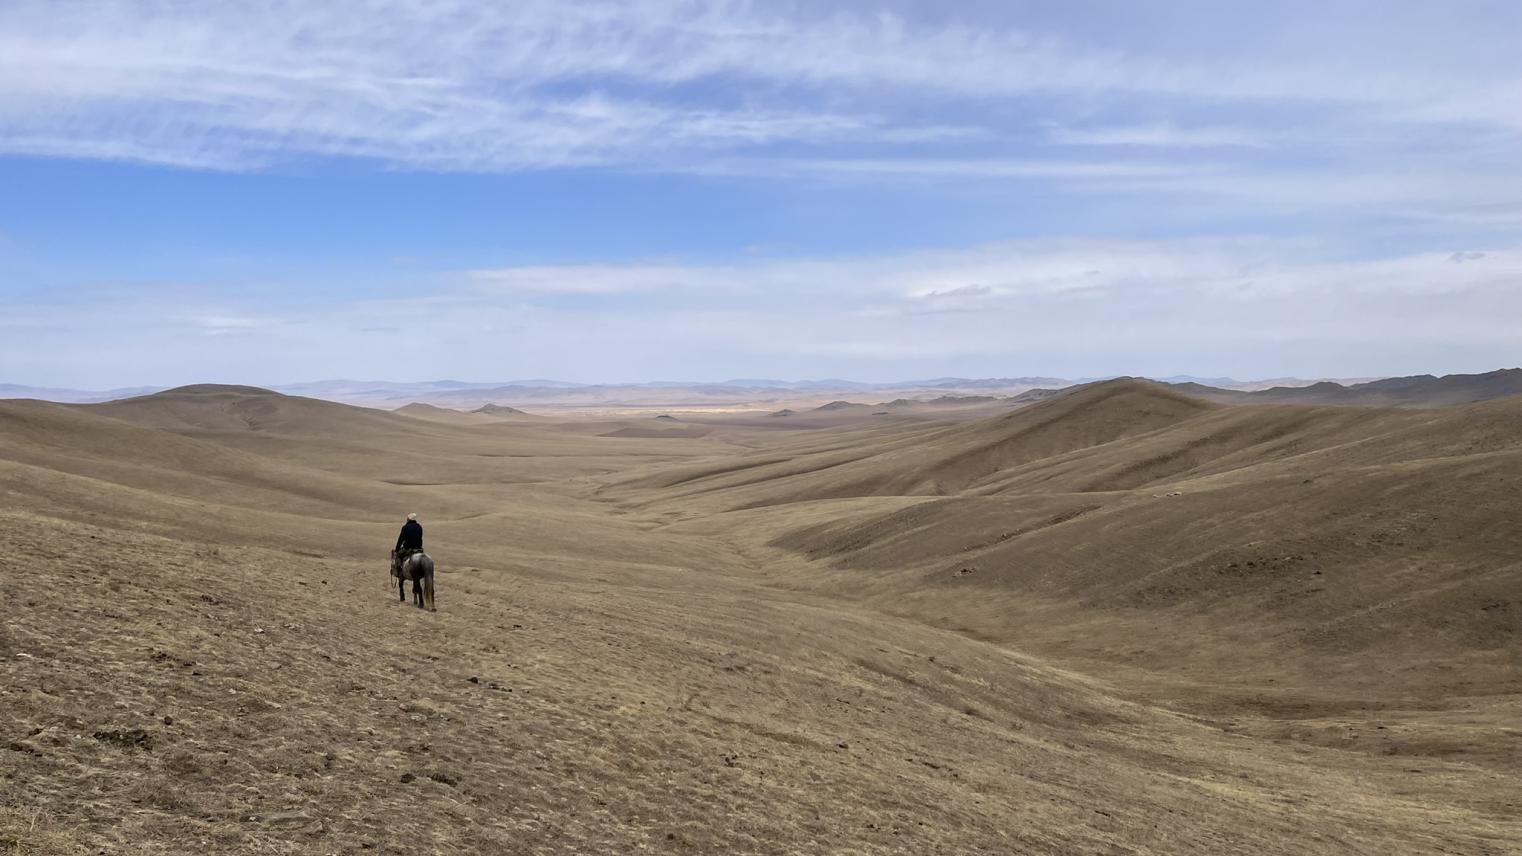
point(417, 567)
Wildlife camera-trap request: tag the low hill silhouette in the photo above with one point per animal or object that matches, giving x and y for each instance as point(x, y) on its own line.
point(499, 410)
point(839, 405)
point(1414, 391)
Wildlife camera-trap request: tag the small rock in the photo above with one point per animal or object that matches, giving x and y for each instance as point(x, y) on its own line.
point(168, 720)
point(474, 679)
point(444, 779)
point(408, 777)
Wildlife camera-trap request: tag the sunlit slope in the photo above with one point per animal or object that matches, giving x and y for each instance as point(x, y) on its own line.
point(380, 445)
point(1110, 436)
point(207, 473)
point(916, 460)
point(181, 696)
point(82, 442)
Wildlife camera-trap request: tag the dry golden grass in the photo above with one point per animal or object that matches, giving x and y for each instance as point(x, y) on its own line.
point(678, 644)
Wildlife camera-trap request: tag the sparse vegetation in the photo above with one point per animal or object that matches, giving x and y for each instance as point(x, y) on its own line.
point(1125, 620)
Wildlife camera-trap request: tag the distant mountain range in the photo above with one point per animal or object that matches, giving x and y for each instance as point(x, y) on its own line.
point(379, 392)
point(73, 396)
point(1415, 391)
point(1253, 385)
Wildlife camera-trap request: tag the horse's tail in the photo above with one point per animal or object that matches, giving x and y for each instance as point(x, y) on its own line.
point(425, 568)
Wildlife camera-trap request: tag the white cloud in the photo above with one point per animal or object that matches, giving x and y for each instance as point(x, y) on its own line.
point(229, 325)
point(1160, 135)
point(637, 278)
point(980, 168)
point(1248, 306)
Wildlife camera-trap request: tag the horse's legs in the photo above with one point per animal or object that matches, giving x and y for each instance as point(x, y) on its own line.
point(417, 593)
point(401, 589)
point(428, 591)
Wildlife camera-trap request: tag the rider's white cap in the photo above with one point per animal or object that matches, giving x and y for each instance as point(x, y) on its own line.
point(412, 516)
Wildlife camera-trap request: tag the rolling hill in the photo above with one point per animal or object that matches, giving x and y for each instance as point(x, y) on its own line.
point(1122, 619)
point(1305, 537)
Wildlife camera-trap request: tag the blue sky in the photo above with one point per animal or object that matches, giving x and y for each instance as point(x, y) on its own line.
point(275, 192)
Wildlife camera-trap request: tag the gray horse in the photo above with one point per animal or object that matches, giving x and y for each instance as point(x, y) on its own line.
point(417, 567)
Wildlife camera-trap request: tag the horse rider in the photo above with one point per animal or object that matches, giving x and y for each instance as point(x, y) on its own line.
point(409, 541)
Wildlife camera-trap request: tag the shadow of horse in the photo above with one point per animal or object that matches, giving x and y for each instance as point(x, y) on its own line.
point(417, 567)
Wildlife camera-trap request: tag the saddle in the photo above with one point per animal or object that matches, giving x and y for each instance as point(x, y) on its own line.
point(400, 556)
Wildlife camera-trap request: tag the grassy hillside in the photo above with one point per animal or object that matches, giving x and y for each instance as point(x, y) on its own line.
point(1336, 551)
point(1091, 625)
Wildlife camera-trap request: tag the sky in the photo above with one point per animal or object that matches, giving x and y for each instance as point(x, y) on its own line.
point(278, 191)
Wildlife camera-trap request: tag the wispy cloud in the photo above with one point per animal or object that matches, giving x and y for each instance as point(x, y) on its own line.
point(538, 280)
point(666, 84)
point(1206, 269)
point(976, 168)
point(1377, 173)
point(1160, 135)
point(229, 325)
